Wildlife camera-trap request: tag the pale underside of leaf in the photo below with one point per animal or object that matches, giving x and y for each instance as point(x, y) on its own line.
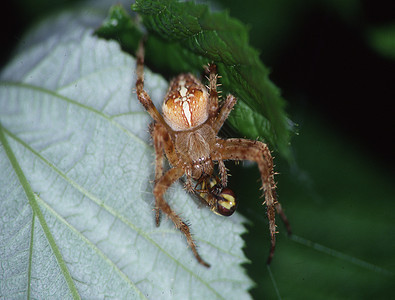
point(76, 186)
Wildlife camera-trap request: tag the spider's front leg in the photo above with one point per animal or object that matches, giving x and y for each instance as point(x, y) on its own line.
point(216, 123)
point(142, 95)
point(160, 188)
point(242, 149)
point(217, 116)
point(213, 76)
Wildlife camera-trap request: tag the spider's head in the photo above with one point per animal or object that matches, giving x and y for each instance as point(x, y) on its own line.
point(186, 103)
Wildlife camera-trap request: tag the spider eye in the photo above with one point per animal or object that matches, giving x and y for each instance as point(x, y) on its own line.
point(186, 103)
point(226, 203)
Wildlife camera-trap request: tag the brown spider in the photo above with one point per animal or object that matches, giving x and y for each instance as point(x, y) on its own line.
point(187, 135)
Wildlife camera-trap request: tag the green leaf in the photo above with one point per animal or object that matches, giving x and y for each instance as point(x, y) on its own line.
point(340, 203)
point(201, 36)
point(119, 26)
point(76, 203)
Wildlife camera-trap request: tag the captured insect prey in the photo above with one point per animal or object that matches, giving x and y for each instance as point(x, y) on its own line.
point(221, 200)
point(186, 134)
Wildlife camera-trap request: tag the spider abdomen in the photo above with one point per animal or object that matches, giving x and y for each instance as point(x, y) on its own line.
point(186, 103)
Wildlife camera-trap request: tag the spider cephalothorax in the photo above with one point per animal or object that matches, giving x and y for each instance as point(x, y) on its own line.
point(187, 134)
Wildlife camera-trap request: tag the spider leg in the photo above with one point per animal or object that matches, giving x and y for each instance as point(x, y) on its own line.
point(218, 118)
point(160, 188)
point(242, 149)
point(223, 113)
point(188, 186)
point(223, 173)
point(158, 145)
point(284, 218)
point(213, 76)
point(162, 142)
point(142, 95)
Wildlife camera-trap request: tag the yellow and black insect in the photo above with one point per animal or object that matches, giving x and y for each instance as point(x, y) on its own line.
point(221, 201)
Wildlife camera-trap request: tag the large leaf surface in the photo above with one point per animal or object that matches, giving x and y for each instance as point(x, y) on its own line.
point(76, 204)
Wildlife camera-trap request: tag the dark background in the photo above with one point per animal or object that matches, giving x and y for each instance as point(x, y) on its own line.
point(320, 58)
point(339, 195)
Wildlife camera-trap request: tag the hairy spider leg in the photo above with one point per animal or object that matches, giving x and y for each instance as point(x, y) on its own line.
point(160, 188)
point(146, 101)
point(162, 143)
point(213, 76)
point(242, 149)
point(284, 218)
point(216, 123)
point(142, 95)
point(223, 114)
point(223, 172)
